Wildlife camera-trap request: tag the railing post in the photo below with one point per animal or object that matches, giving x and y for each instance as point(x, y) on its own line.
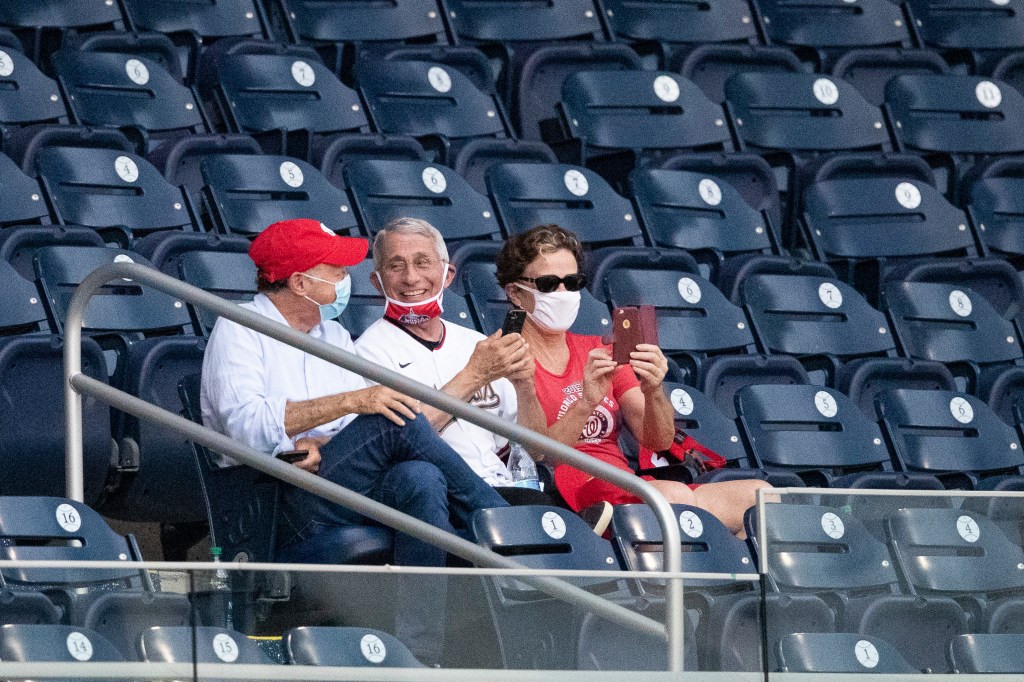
point(74, 475)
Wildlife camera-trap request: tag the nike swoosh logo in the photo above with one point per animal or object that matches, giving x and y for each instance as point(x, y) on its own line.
point(403, 366)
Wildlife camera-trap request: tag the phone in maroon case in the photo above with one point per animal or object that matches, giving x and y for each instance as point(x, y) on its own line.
point(632, 326)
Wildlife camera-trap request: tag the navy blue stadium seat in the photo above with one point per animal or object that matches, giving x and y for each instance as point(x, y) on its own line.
point(578, 199)
point(179, 160)
point(342, 150)
point(538, 85)
point(478, 156)
point(725, 375)
point(229, 275)
point(863, 380)
point(821, 320)
point(165, 249)
point(117, 193)
point(385, 190)
point(28, 96)
point(346, 647)
point(869, 70)
point(124, 90)
point(477, 282)
point(28, 608)
point(605, 645)
point(285, 97)
point(55, 643)
point(952, 324)
point(41, 25)
point(668, 30)
point(613, 120)
point(994, 205)
point(971, 33)
point(961, 554)
point(951, 119)
point(988, 653)
point(827, 551)
point(710, 66)
point(701, 213)
point(32, 381)
point(21, 311)
point(203, 644)
point(244, 194)
point(822, 30)
point(840, 652)
point(430, 101)
point(513, 22)
point(694, 319)
point(952, 435)
point(25, 202)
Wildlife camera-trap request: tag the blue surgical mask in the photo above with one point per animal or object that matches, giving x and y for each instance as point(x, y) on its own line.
point(342, 292)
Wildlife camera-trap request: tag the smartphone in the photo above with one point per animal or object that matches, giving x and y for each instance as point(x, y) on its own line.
point(292, 456)
point(514, 320)
point(631, 327)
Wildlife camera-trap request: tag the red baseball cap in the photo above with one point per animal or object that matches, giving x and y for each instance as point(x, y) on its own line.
point(296, 245)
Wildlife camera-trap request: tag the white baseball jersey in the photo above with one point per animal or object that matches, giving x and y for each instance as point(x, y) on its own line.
point(387, 344)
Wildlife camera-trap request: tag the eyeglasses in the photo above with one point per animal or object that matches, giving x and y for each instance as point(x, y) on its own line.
point(547, 283)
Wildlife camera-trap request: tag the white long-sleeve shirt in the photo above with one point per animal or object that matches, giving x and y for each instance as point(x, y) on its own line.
point(248, 378)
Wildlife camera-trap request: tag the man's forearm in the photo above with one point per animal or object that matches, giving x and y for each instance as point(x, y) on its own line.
point(462, 387)
point(303, 415)
point(659, 421)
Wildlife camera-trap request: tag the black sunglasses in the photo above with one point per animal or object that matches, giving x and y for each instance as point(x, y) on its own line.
point(547, 283)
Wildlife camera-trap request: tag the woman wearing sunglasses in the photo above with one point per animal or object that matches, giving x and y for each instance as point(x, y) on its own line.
point(583, 397)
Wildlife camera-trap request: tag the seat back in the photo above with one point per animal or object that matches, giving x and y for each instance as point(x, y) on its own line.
point(229, 275)
point(424, 98)
point(809, 427)
point(214, 20)
point(56, 643)
point(247, 193)
point(385, 190)
point(944, 431)
point(122, 306)
point(840, 652)
point(677, 22)
point(997, 208)
point(956, 114)
point(103, 188)
point(804, 315)
point(24, 202)
point(834, 23)
point(803, 112)
point(988, 653)
point(876, 217)
point(112, 89)
point(695, 211)
point(967, 25)
point(954, 551)
point(27, 96)
point(578, 199)
point(700, 418)
point(58, 529)
point(949, 323)
point(348, 647)
point(510, 21)
point(641, 110)
point(202, 644)
point(56, 14)
point(20, 311)
point(399, 21)
point(262, 92)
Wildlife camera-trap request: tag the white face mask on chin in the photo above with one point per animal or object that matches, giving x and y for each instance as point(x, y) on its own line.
point(556, 311)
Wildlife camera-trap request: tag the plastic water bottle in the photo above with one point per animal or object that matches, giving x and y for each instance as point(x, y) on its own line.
point(522, 468)
point(220, 586)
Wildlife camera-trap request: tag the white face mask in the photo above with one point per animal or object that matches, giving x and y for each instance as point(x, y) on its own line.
point(556, 311)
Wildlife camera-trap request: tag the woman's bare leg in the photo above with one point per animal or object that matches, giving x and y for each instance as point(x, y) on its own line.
point(727, 500)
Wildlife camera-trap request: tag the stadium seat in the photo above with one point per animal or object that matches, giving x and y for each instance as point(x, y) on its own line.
point(821, 31)
point(165, 249)
point(119, 194)
point(952, 435)
point(541, 537)
point(21, 311)
point(478, 156)
point(615, 120)
point(725, 375)
point(695, 320)
point(179, 160)
point(41, 25)
point(701, 213)
point(200, 645)
point(347, 148)
point(950, 120)
point(961, 554)
point(951, 324)
point(228, 275)
point(55, 643)
point(605, 645)
point(821, 320)
point(244, 194)
point(841, 652)
point(128, 91)
point(512, 22)
point(864, 380)
point(994, 205)
point(284, 97)
point(25, 202)
point(710, 66)
point(27, 608)
point(433, 102)
point(670, 30)
point(967, 33)
point(28, 96)
point(385, 190)
point(987, 653)
point(528, 194)
point(826, 551)
point(346, 647)
point(869, 70)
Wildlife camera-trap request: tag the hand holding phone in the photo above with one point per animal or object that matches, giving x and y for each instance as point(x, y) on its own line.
point(514, 320)
point(292, 456)
point(631, 327)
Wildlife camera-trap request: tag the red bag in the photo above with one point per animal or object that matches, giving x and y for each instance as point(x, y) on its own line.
point(685, 450)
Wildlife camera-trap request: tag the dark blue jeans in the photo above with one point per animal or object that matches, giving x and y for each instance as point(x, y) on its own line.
point(407, 468)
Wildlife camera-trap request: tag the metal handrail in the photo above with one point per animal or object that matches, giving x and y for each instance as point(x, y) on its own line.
point(77, 383)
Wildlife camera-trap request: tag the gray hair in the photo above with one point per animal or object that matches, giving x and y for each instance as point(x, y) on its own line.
point(408, 226)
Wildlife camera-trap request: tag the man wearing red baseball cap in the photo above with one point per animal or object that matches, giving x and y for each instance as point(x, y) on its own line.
point(277, 399)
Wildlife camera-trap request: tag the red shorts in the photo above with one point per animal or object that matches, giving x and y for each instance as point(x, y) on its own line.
point(581, 490)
